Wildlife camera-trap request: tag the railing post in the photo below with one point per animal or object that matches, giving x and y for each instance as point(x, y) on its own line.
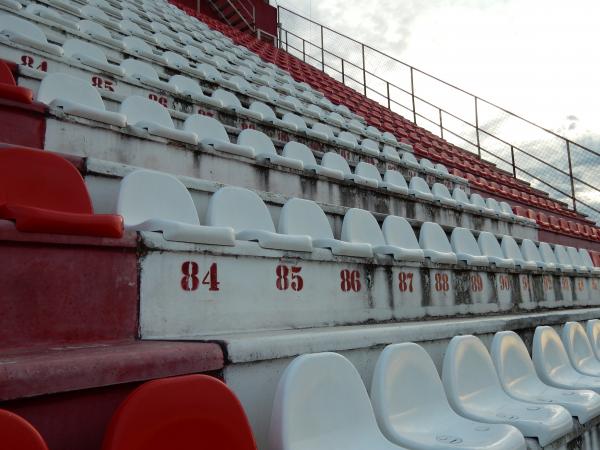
point(412, 94)
point(441, 124)
point(387, 83)
point(322, 51)
point(512, 157)
point(571, 176)
point(304, 50)
point(364, 70)
point(343, 74)
point(286, 41)
point(477, 128)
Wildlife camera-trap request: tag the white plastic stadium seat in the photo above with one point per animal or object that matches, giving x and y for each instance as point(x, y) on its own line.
point(586, 259)
point(335, 161)
point(593, 331)
point(531, 253)
point(296, 150)
point(412, 409)
point(305, 217)
point(579, 349)
point(347, 139)
point(25, 33)
point(548, 256)
point(462, 199)
point(321, 404)
point(301, 126)
point(466, 249)
point(99, 33)
point(399, 234)
point(143, 113)
point(493, 204)
point(442, 195)
point(369, 172)
point(189, 87)
point(264, 150)
point(475, 392)
point(270, 117)
point(247, 214)
point(361, 227)
point(51, 14)
point(563, 258)
point(435, 245)
point(212, 133)
point(518, 378)
point(394, 181)
point(490, 247)
point(370, 147)
point(420, 189)
point(408, 159)
point(145, 74)
point(155, 201)
point(578, 264)
point(552, 362)
point(512, 251)
point(76, 97)
point(478, 201)
point(230, 101)
point(90, 55)
point(389, 153)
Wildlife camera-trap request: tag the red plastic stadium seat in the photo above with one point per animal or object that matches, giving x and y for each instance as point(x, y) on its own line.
point(180, 413)
point(554, 223)
point(523, 212)
point(584, 230)
point(9, 89)
point(595, 258)
point(18, 434)
point(44, 193)
point(564, 225)
point(542, 219)
point(573, 228)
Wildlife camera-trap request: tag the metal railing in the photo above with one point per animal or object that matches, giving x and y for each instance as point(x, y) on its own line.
point(528, 151)
point(246, 12)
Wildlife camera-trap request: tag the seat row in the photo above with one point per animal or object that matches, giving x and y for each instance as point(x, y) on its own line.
point(560, 224)
point(482, 400)
point(177, 413)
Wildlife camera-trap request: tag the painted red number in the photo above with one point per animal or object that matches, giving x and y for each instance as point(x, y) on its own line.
point(350, 280)
point(101, 83)
point(160, 99)
point(547, 283)
point(580, 285)
point(564, 281)
point(189, 281)
point(476, 283)
point(441, 282)
point(289, 277)
point(594, 284)
point(246, 125)
point(405, 281)
point(29, 61)
point(525, 282)
point(211, 278)
point(504, 282)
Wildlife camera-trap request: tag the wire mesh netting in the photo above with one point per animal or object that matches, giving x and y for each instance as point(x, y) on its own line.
point(512, 143)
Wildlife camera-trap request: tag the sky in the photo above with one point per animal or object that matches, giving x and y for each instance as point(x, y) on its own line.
point(536, 58)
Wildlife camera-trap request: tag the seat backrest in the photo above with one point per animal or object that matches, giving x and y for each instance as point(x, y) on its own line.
point(18, 434)
point(505, 208)
point(134, 68)
point(136, 44)
point(146, 194)
point(460, 196)
point(368, 171)
point(139, 109)
point(228, 98)
point(241, 82)
point(406, 383)
point(395, 178)
point(547, 351)
point(441, 168)
point(90, 27)
point(208, 70)
point(323, 128)
point(593, 331)
point(468, 371)
point(76, 47)
point(561, 255)
point(67, 87)
point(175, 59)
point(259, 141)
point(206, 127)
point(360, 226)
point(409, 158)
point(293, 100)
point(420, 185)
point(349, 137)
point(478, 200)
point(6, 76)
point(426, 164)
point(336, 117)
point(390, 152)
point(269, 92)
point(238, 208)
point(547, 253)
point(576, 343)
point(186, 84)
point(440, 190)
point(397, 231)
point(304, 217)
point(530, 251)
point(320, 399)
point(25, 27)
point(296, 150)
point(42, 180)
point(574, 256)
point(263, 109)
point(585, 258)
point(511, 248)
point(373, 130)
point(333, 160)
point(432, 237)
point(463, 241)
point(179, 413)
point(389, 136)
point(370, 144)
point(294, 119)
point(492, 203)
point(489, 245)
point(314, 108)
point(511, 358)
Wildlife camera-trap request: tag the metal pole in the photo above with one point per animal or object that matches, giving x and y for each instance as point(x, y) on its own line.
point(303, 50)
point(514, 167)
point(322, 51)
point(364, 70)
point(388, 95)
point(441, 125)
point(412, 94)
point(286, 41)
point(571, 176)
point(343, 74)
point(477, 128)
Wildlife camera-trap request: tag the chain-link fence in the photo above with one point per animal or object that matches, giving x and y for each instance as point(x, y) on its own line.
point(534, 154)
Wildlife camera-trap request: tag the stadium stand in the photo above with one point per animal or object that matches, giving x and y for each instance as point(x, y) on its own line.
point(220, 210)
